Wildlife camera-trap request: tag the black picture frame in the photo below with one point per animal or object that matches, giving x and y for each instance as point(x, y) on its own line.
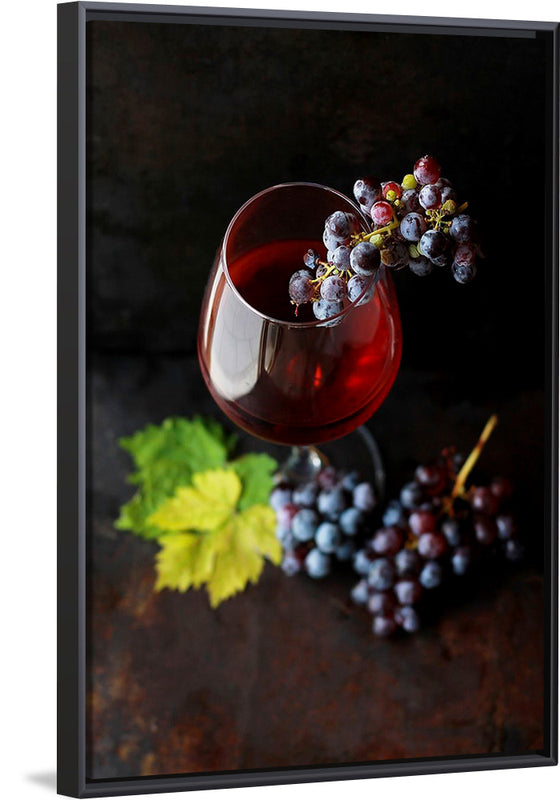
point(72, 462)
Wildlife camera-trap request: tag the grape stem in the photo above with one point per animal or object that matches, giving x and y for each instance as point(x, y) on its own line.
point(385, 229)
point(459, 487)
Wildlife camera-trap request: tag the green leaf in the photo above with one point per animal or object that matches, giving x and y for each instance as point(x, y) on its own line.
point(255, 471)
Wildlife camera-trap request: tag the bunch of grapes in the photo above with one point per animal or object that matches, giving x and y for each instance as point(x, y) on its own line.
point(417, 222)
point(436, 529)
point(319, 522)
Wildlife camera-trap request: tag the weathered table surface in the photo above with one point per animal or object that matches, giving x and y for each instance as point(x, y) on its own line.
point(287, 673)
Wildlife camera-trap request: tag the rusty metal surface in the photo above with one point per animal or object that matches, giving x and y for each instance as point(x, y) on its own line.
point(287, 673)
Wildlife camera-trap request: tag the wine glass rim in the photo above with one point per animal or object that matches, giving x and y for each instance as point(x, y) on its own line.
point(282, 322)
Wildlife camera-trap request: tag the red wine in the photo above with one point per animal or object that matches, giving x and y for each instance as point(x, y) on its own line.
point(285, 381)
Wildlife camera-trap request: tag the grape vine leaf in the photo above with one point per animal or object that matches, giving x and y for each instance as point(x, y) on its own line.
point(209, 539)
point(255, 471)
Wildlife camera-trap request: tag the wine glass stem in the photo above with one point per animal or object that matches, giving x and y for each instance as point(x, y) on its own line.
point(303, 463)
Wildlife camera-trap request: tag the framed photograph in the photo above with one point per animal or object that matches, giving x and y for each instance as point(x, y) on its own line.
point(308, 351)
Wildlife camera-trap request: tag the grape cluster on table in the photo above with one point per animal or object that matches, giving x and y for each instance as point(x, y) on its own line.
point(416, 223)
point(319, 522)
point(427, 537)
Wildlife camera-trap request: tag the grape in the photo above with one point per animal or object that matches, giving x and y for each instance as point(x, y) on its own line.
point(381, 213)
point(300, 288)
point(333, 288)
point(394, 514)
point(357, 286)
point(345, 550)
point(408, 591)
point(387, 541)
point(326, 309)
point(463, 273)
point(502, 489)
point(365, 258)
point(411, 495)
point(330, 241)
point(407, 618)
point(452, 532)
point(341, 225)
point(448, 195)
point(362, 562)
point(432, 545)
point(367, 191)
point(422, 522)
point(514, 550)
point(363, 497)
point(441, 183)
point(360, 593)
point(394, 254)
point(483, 501)
point(461, 560)
point(381, 575)
point(327, 537)
point(327, 478)
point(305, 495)
point(331, 502)
point(463, 228)
point(320, 271)
point(420, 266)
point(285, 538)
point(341, 257)
point(433, 245)
point(410, 201)
point(384, 626)
point(285, 515)
point(304, 524)
point(427, 170)
point(350, 521)
point(408, 563)
point(391, 191)
point(381, 603)
point(431, 575)
point(317, 564)
point(350, 480)
point(413, 226)
point(429, 196)
point(280, 496)
point(432, 478)
point(506, 525)
point(310, 259)
point(485, 530)
point(409, 182)
point(291, 564)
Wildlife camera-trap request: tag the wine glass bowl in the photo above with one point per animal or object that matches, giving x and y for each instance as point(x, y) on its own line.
point(292, 379)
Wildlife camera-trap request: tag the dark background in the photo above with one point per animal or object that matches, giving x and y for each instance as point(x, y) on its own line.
point(184, 124)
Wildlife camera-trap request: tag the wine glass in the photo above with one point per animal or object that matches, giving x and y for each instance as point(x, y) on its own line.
point(293, 380)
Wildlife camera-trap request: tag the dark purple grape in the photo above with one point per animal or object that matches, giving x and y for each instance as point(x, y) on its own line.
point(448, 195)
point(360, 593)
point(463, 273)
point(381, 575)
point(485, 530)
point(420, 266)
point(341, 257)
point(310, 259)
point(327, 478)
point(331, 502)
point(317, 564)
point(280, 496)
point(411, 495)
point(410, 201)
point(345, 550)
point(442, 182)
point(367, 191)
point(429, 196)
point(321, 270)
point(433, 245)
point(463, 228)
point(502, 489)
point(427, 170)
point(363, 560)
point(507, 526)
point(363, 497)
point(431, 477)
point(331, 242)
point(304, 524)
point(350, 480)
point(452, 532)
point(350, 521)
point(394, 254)
point(305, 495)
point(381, 603)
point(341, 225)
point(328, 537)
point(384, 626)
point(412, 227)
point(324, 310)
point(357, 286)
point(394, 514)
point(333, 288)
point(291, 564)
point(387, 541)
point(365, 258)
point(422, 522)
point(431, 575)
point(483, 501)
point(408, 591)
point(407, 618)
point(461, 560)
point(514, 550)
point(408, 563)
point(432, 545)
point(285, 515)
point(300, 288)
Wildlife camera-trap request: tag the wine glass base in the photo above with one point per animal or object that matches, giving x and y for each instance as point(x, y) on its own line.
point(357, 451)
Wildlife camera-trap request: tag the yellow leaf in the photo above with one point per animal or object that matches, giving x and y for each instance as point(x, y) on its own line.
point(247, 537)
point(186, 559)
point(204, 506)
